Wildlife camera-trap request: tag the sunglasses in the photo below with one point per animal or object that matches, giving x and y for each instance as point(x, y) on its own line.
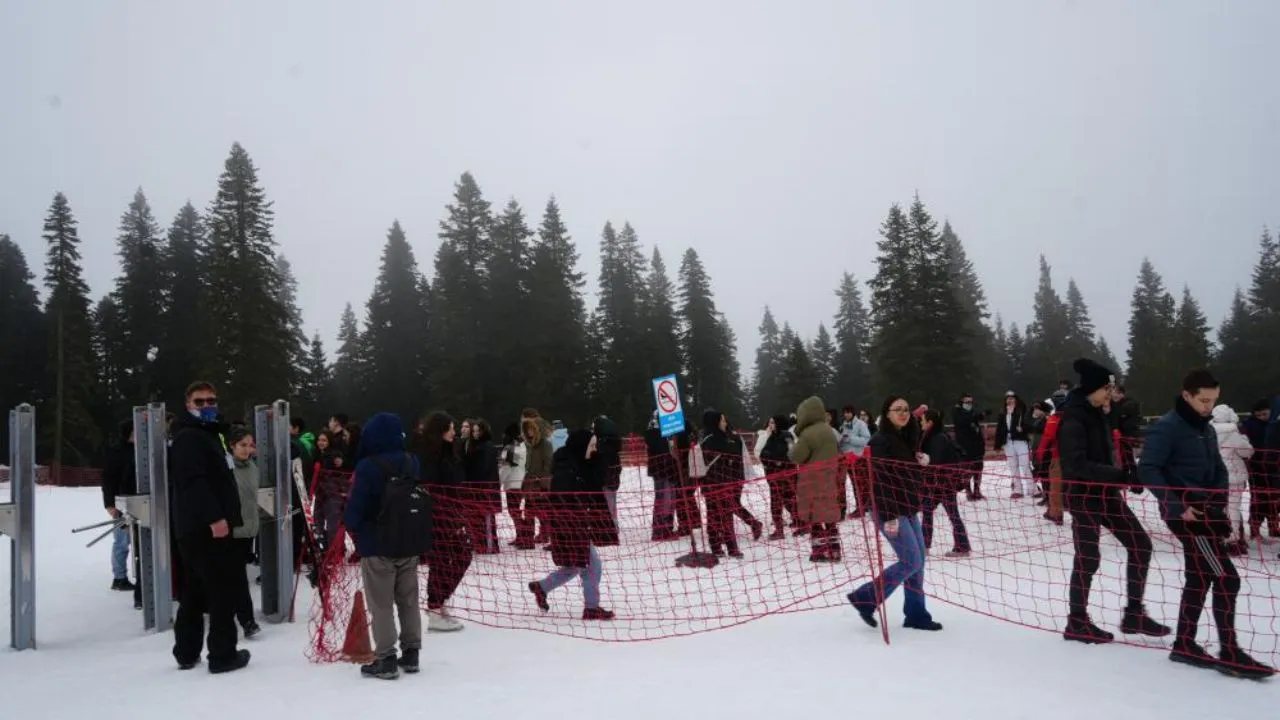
point(204, 402)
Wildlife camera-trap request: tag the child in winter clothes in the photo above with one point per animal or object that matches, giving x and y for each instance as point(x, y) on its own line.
point(240, 440)
point(1236, 451)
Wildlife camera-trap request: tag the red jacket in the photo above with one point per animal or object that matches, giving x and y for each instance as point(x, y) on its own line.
point(1049, 440)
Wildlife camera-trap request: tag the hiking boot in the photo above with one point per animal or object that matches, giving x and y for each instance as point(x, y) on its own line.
point(539, 596)
point(408, 661)
point(384, 668)
point(439, 622)
point(597, 614)
point(237, 662)
point(1138, 622)
point(1082, 630)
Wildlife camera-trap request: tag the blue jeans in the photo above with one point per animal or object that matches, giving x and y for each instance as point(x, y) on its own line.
point(664, 505)
point(120, 553)
point(908, 571)
point(590, 578)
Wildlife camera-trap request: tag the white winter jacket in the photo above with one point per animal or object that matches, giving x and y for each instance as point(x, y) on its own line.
point(510, 476)
point(1234, 446)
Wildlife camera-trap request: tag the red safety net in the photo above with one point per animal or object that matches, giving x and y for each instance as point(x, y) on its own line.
point(1018, 567)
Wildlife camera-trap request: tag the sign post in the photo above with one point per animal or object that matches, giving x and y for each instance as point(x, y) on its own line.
point(18, 521)
point(666, 397)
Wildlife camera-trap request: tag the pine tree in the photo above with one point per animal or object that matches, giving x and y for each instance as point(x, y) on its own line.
point(766, 394)
point(394, 337)
point(708, 353)
point(298, 347)
point(181, 335)
point(111, 403)
point(897, 336)
point(21, 362)
point(1152, 374)
point(974, 313)
point(139, 299)
point(459, 300)
point(1019, 379)
point(1108, 358)
point(1001, 362)
point(798, 378)
point(251, 352)
point(350, 367)
point(1079, 340)
point(557, 379)
point(662, 332)
point(1238, 353)
point(1191, 345)
point(823, 355)
point(1049, 356)
point(625, 363)
point(316, 391)
point(852, 381)
point(505, 322)
point(70, 363)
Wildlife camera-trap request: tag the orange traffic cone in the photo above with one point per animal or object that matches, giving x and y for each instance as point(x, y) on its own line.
point(357, 648)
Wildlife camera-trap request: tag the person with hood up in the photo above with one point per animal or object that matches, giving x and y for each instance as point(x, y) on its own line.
point(450, 555)
point(577, 492)
point(722, 452)
point(660, 463)
point(537, 478)
point(1182, 465)
point(1013, 432)
point(1093, 495)
point(388, 564)
point(896, 483)
point(969, 435)
point(773, 447)
point(206, 508)
point(243, 451)
point(1236, 453)
point(818, 480)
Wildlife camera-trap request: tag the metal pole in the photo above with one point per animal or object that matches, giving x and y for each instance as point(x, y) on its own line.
point(283, 471)
point(142, 461)
point(161, 545)
point(18, 521)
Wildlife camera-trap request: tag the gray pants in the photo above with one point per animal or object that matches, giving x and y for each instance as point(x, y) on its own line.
point(392, 582)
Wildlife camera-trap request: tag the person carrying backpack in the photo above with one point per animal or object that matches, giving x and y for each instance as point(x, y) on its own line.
point(390, 517)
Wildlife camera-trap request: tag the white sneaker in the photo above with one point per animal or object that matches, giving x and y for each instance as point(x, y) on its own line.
point(437, 621)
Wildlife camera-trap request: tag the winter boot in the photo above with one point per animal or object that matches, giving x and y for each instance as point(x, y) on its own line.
point(927, 624)
point(1189, 653)
point(866, 612)
point(1137, 622)
point(251, 630)
point(539, 596)
point(240, 660)
point(1237, 663)
point(408, 661)
point(384, 668)
point(122, 585)
point(597, 614)
point(1082, 630)
point(185, 663)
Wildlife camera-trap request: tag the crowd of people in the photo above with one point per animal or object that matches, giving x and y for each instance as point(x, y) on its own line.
point(433, 496)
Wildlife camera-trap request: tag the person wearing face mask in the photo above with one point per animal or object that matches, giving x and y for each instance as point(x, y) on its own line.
point(243, 450)
point(968, 425)
point(206, 508)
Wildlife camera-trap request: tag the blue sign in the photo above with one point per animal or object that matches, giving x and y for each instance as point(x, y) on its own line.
point(666, 397)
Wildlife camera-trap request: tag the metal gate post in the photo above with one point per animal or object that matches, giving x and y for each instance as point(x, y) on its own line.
point(149, 511)
point(18, 521)
point(275, 480)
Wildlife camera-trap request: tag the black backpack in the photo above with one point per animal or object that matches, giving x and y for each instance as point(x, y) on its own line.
point(404, 525)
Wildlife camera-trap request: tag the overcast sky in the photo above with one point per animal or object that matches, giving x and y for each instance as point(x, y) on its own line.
point(772, 136)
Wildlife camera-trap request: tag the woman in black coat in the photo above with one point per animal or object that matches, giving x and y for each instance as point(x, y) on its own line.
point(943, 478)
point(450, 555)
point(775, 456)
point(722, 485)
point(483, 490)
point(576, 497)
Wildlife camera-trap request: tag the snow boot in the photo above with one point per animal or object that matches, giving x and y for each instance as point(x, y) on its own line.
point(1082, 630)
point(122, 585)
point(1237, 663)
point(1189, 653)
point(240, 660)
point(251, 630)
point(1137, 622)
point(408, 661)
point(384, 668)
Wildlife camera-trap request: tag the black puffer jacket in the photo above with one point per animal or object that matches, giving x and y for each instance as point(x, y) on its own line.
point(895, 473)
point(1085, 448)
point(204, 486)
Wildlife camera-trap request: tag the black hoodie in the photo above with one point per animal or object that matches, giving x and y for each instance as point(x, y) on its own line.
point(204, 486)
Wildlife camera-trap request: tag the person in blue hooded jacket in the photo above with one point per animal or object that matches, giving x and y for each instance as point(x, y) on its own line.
point(390, 583)
point(1183, 466)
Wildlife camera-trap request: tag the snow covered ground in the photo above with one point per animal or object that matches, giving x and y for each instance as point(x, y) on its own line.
point(94, 661)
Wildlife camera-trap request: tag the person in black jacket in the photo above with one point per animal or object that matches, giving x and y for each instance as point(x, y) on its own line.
point(1182, 464)
point(1126, 418)
point(722, 486)
point(1093, 496)
point(450, 555)
point(968, 425)
point(609, 450)
point(120, 477)
point(895, 487)
point(1013, 435)
point(483, 490)
point(780, 474)
point(661, 465)
point(206, 506)
point(578, 479)
point(941, 486)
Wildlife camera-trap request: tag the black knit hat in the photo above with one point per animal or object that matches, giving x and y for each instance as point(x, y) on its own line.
point(1093, 377)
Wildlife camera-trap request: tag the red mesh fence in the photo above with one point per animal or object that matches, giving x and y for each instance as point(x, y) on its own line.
point(1018, 567)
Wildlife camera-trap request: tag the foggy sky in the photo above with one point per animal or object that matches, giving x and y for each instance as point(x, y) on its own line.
point(771, 136)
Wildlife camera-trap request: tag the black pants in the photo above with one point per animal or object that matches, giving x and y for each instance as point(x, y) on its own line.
point(1206, 567)
point(1087, 522)
point(952, 507)
point(214, 581)
point(449, 559)
point(244, 607)
point(721, 501)
point(781, 479)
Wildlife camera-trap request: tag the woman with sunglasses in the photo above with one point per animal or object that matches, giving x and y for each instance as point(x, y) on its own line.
point(896, 468)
